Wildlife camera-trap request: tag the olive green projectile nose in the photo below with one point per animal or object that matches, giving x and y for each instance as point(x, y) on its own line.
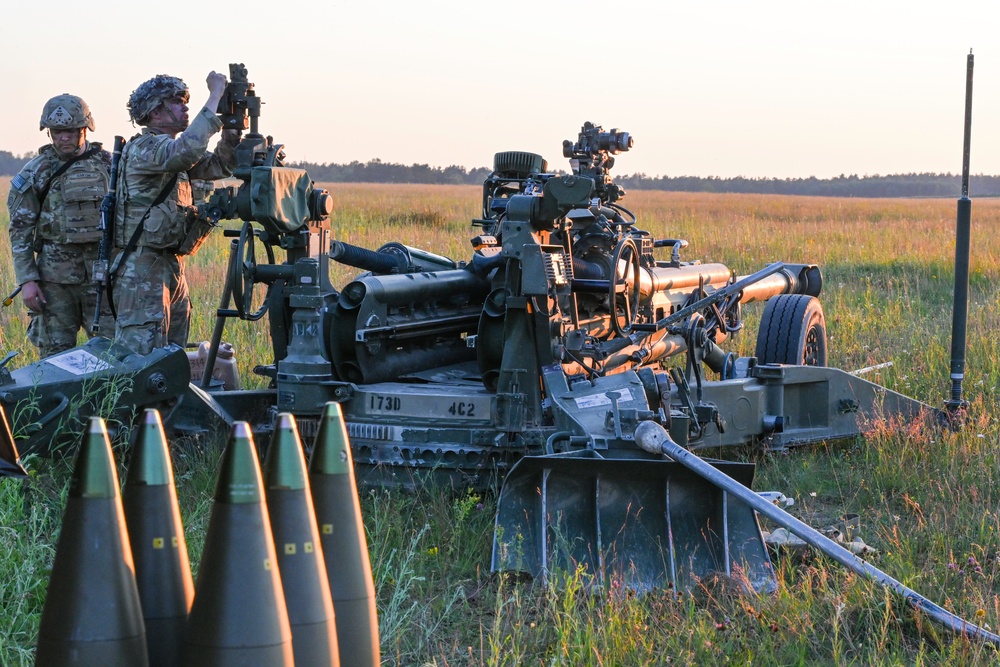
point(95, 475)
point(332, 452)
point(239, 476)
point(284, 465)
point(150, 465)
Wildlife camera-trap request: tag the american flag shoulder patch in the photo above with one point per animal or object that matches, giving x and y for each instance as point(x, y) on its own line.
point(18, 183)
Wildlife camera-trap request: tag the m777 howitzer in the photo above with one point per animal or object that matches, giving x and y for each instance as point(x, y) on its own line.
point(532, 363)
point(563, 361)
point(535, 361)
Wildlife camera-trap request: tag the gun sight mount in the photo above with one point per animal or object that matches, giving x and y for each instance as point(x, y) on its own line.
point(591, 156)
point(239, 107)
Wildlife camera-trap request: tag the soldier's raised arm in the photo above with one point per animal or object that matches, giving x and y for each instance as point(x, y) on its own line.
point(161, 105)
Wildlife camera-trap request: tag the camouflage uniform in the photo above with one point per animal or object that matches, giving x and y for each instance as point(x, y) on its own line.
point(151, 293)
point(55, 243)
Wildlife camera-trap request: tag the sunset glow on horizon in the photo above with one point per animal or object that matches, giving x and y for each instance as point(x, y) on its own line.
point(725, 88)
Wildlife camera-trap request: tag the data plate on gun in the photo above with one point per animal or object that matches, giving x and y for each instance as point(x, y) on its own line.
point(390, 399)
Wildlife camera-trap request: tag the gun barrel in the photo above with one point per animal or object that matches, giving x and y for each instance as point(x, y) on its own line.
point(791, 279)
point(663, 279)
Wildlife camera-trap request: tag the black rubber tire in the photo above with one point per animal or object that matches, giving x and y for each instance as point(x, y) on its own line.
point(518, 164)
point(792, 331)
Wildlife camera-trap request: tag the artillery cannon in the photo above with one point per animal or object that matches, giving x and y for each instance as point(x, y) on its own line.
point(532, 363)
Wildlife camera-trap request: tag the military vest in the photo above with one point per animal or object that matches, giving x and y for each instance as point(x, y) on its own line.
point(71, 212)
point(163, 225)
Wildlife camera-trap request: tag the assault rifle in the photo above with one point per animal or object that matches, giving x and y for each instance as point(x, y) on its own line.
point(107, 227)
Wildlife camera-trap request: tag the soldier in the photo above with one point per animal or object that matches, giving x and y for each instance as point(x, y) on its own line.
point(55, 214)
point(156, 222)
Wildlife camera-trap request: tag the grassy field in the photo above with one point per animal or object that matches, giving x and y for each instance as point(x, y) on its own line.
point(928, 500)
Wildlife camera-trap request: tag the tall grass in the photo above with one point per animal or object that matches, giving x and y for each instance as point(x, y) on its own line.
point(927, 498)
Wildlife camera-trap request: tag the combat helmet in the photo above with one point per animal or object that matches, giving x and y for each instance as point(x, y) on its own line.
point(66, 112)
point(152, 93)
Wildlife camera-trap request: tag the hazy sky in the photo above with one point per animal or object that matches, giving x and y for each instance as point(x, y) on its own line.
point(719, 87)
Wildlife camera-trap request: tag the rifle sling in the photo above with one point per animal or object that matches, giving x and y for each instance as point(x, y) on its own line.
point(133, 242)
point(44, 192)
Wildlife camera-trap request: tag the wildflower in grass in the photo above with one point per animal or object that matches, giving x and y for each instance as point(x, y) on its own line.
point(433, 551)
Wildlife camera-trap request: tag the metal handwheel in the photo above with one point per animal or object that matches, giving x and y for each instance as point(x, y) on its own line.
point(243, 276)
point(624, 287)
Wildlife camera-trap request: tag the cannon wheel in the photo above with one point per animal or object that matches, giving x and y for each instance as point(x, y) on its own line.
point(244, 273)
point(624, 287)
point(792, 331)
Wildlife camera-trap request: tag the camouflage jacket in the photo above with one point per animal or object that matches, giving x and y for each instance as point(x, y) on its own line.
point(148, 163)
point(55, 240)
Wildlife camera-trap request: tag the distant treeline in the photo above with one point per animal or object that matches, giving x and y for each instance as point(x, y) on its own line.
point(376, 171)
point(10, 164)
point(897, 185)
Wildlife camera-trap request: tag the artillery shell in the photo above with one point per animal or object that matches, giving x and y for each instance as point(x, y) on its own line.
point(92, 614)
point(297, 542)
point(162, 570)
point(238, 617)
point(345, 548)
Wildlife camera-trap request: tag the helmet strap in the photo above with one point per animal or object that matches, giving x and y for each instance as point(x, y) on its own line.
point(79, 146)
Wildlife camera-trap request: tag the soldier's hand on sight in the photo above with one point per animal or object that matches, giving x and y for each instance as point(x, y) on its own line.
point(32, 295)
point(216, 83)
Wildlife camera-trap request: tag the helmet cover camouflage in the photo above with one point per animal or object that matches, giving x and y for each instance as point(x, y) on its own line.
point(151, 94)
point(66, 112)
